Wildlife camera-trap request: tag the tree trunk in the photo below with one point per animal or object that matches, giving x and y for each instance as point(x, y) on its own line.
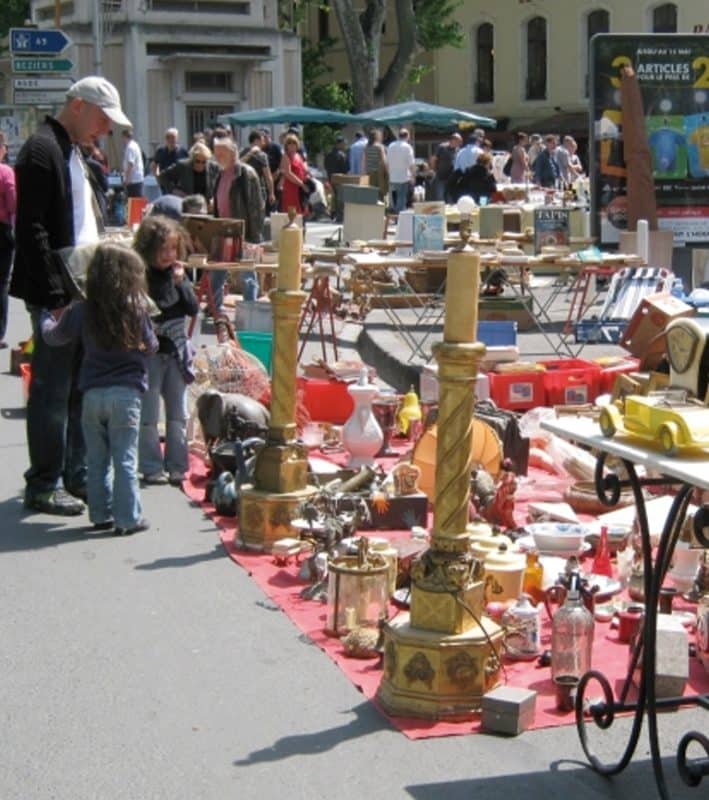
point(362, 50)
point(406, 51)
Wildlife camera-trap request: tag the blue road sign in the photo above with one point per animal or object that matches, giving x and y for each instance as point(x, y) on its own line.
point(32, 40)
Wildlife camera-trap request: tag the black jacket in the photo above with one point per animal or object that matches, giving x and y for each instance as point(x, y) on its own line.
point(44, 217)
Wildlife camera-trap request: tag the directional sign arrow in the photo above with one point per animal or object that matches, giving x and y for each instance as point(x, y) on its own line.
point(32, 40)
point(42, 65)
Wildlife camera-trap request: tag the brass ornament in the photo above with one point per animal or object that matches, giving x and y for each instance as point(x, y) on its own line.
point(419, 669)
point(462, 670)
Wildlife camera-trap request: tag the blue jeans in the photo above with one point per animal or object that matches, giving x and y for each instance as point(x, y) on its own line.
point(399, 194)
point(249, 286)
point(54, 436)
point(111, 418)
point(165, 380)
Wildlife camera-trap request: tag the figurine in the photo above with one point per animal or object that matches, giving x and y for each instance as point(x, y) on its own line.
point(482, 491)
point(405, 477)
point(501, 510)
point(410, 415)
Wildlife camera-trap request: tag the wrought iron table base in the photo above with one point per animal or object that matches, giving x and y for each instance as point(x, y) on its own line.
point(603, 713)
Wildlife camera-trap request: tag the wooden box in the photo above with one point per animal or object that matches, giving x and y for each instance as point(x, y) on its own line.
point(508, 710)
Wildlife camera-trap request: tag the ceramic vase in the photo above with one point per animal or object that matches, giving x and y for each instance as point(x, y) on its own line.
point(361, 434)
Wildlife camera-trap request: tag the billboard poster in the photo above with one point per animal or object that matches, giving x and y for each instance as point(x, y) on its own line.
point(17, 123)
point(673, 75)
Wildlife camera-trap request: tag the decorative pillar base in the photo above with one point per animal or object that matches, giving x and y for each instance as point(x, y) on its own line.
point(434, 676)
point(265, 517)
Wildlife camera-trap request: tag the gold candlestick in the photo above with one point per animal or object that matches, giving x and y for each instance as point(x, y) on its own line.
point(281, 469)
point(441, 659)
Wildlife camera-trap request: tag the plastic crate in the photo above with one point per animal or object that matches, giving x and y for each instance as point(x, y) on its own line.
point(326, 401)
point(571, 381)
point(610, 372)
point(517, 391)
point(497, 332)
point(259, 344)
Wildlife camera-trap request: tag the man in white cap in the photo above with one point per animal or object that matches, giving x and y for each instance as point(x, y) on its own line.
point(57, 208)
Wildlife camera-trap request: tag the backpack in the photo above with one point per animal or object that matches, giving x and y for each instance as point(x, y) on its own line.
point(507, 169)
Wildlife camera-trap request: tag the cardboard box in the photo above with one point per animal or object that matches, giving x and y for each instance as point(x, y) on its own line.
point(642, 336)
point(508, 710)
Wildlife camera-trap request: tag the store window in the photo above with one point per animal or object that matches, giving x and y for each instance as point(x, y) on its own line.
point(536, 85)
point(324, 21)
point(208, 81)
point(485, 63)
point(664, 18)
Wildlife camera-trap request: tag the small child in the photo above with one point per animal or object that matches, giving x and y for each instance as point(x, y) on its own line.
point(159, 241)
point(116, 332)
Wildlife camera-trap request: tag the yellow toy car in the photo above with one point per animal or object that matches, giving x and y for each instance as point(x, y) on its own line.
point(667, 418)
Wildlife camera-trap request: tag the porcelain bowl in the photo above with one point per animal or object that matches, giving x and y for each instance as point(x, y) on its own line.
point(563, 536)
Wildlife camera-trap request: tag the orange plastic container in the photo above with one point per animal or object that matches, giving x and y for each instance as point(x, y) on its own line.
point(517, 391)
point(571, 381)
point(326, 401)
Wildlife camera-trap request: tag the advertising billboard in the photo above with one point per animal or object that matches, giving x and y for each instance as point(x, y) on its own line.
point(673, 75)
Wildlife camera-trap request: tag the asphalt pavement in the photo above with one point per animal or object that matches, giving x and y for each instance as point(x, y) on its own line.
point(152, 667)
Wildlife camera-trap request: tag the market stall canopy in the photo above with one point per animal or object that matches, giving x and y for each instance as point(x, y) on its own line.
point(286, 114)
point(415, 111)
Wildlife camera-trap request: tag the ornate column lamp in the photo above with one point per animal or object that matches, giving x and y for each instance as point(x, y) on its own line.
point(281, 469)
point(444, 656)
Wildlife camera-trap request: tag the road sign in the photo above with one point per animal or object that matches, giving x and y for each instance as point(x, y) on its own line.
point(55, 83)
point(42, 65)
point(38, 97)
point(51, 41)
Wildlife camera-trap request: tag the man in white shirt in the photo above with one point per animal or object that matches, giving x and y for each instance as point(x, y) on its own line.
point(133, 170)
point(468, 156)
point(400, 157)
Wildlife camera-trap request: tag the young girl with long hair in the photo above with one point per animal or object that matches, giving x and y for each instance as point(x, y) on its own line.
point(116, 332)
point(160, 243)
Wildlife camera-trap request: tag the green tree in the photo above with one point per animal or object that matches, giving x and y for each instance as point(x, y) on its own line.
point(320, 138)
point(423, 25)
point(13, 13)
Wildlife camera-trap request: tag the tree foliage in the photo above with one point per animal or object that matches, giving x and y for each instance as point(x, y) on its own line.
point(422, 25)
point(13, 13)
point(331, 95)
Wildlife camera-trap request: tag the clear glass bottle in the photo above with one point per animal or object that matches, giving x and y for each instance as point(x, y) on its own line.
point(533, 578)
point(571, 636)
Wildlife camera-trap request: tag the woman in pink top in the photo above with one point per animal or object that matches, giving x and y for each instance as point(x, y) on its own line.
point(8, 207)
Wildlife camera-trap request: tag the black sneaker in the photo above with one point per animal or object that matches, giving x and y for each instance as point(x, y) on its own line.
point(139, 527)
point(109, 525)
point(58, 502)
point(78, 491)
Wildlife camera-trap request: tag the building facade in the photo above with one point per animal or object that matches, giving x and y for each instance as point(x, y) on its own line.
point(524, 62)
point(180, 62)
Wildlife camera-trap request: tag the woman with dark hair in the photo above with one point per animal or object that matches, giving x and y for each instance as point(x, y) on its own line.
point(295, 175)
point(375, 163)
point(478, 181)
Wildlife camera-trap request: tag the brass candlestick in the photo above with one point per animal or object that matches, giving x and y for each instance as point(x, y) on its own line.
point(441, 659)
point(280, 473)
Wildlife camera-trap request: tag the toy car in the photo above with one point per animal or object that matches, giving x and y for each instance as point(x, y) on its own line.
point(666, 418)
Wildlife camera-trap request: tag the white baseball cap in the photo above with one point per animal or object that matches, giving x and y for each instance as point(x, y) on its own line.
point(98, 91)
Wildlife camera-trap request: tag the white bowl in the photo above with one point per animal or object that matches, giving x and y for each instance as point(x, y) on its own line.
point(551, 536)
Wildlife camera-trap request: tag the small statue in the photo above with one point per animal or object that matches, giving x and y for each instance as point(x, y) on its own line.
point(501, 510)
point(405, 477)
point(410, 415)
point(482, 491)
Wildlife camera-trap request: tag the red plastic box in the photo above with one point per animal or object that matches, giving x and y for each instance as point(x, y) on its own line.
point(326, 401)
point(571, 381)
point(517, 391)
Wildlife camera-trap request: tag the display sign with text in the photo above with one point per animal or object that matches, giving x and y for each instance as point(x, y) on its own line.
point(673, 76)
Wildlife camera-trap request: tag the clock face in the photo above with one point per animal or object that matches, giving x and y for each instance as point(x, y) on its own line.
point(681, 347)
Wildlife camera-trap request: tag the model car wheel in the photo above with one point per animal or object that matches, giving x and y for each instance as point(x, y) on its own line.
point(607, 423)
point(667, 436)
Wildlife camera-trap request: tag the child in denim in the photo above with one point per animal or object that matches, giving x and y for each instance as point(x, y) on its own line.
point(116, 333)
point(159, 241)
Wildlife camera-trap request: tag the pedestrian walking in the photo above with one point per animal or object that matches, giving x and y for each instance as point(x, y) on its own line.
point(160, 244)
point(116, 336)
point(8, 207)
point(56, 209)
